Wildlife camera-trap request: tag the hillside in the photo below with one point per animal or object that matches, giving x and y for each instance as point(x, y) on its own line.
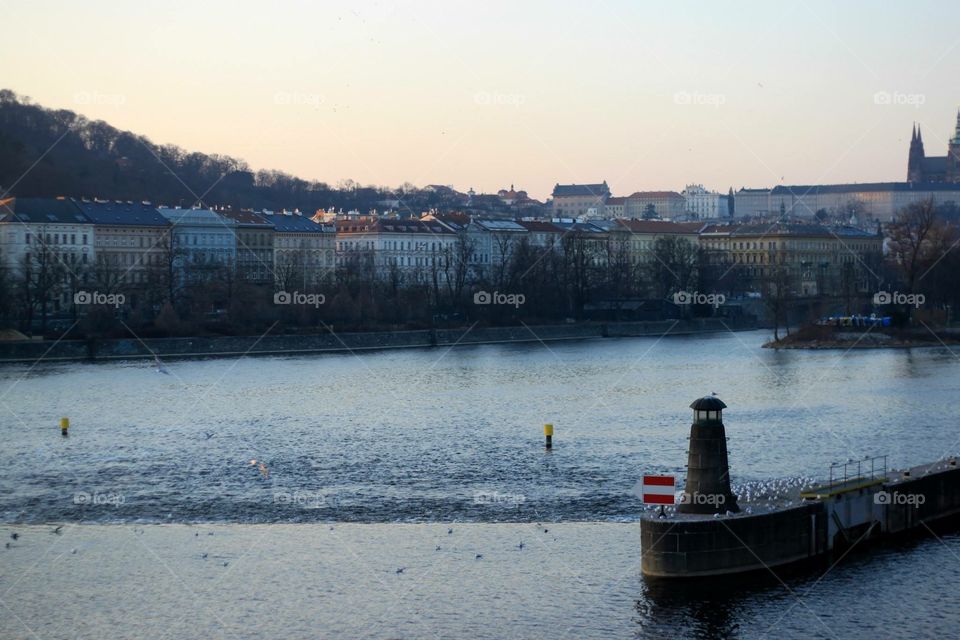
point(91, 158)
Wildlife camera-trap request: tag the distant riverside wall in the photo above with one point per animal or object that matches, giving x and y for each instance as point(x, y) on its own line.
point(31, 351)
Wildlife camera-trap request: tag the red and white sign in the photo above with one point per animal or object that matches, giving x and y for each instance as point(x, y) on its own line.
point(658, 489)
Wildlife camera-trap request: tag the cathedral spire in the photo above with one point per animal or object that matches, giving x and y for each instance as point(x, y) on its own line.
point(913, 134)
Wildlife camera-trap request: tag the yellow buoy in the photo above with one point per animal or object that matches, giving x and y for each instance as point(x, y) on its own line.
point(64, 425)
point(548, 432)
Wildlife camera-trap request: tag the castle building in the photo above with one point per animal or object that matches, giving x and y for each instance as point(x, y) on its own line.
point(921, 168)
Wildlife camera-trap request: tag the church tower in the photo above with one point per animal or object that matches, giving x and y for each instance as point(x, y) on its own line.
point(953, 155)
point(915, 160)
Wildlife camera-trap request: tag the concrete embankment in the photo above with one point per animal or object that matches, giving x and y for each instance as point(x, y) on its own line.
point(905, 501)
point(66, 350)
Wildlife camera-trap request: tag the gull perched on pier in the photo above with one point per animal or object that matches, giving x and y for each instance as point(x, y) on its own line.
point(159, 365)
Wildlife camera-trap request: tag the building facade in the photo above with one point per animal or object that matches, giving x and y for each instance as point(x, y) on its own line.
point(702, 204)
point(304, 252)
point(47, 246)
point(808, 259)
point(255, 241)
point(203, 244)
point(878, 200)
point(132, 240)
point(582, 201)
point(409, 251)
point(662, 204)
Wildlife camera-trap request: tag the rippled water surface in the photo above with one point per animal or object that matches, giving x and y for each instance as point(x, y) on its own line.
point(399, 486)
point(448, 434)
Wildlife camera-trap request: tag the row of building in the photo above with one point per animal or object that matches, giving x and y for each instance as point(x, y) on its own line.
point(873, 201)
point(817, 259)
point(927, 177)
point(124, 245)
point(594, 202)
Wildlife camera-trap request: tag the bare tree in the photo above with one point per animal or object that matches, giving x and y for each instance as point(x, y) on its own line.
point(912, 245)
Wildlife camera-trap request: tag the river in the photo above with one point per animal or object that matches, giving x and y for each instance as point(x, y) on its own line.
point(394, 448)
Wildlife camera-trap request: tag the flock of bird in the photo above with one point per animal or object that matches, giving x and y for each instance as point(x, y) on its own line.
point(520, 546)
point(779, 491)
point(763, 494)
point(204, 556)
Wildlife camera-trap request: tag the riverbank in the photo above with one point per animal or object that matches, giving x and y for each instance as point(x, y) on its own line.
point(826, 337)
point(331, 342)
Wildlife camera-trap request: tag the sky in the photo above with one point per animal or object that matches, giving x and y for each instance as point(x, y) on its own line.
point(482, 95)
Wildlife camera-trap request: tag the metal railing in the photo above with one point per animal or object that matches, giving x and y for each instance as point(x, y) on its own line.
point(857, 471)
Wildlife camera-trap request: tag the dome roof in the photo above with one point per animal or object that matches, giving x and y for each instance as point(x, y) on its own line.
point(708, 403)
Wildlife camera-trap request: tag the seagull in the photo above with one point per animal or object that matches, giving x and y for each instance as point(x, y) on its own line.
point(204, 556)
point(449, 531)
point(57, 530)
point(207, 435)
point(400, 570)
point(520, 546)
point(479, 556)
point(438, 548)
point(14, 535)
point(225, 563)
point(159, 365)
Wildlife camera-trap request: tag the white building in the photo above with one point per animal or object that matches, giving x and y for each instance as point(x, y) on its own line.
point(41, 236)
point(410, 250)
point(704, 204)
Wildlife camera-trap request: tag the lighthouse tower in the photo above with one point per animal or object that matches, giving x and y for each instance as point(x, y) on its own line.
point(708, 471)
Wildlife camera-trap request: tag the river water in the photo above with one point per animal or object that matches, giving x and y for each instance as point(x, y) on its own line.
point(394, 448)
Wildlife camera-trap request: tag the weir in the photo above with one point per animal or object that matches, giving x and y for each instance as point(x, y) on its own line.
point(860, 500)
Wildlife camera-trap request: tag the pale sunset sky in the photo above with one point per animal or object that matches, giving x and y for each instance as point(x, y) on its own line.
point(645, 95)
